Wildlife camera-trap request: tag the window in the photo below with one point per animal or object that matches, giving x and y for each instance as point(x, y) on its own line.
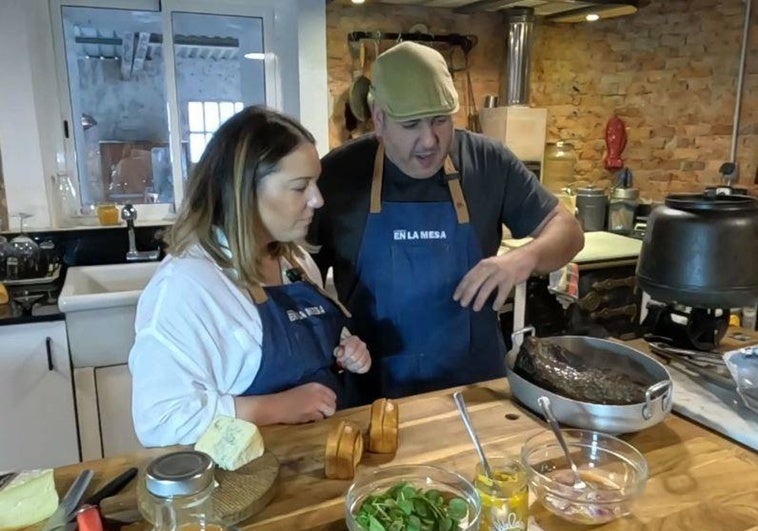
point(204, 118)
point(142, 116)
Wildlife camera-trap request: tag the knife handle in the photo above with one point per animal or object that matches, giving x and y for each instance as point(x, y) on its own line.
point(114, 486)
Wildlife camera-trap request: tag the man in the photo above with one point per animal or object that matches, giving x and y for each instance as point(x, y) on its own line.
point(412, 223)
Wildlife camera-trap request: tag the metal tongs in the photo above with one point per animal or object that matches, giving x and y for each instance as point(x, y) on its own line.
point(708, 364)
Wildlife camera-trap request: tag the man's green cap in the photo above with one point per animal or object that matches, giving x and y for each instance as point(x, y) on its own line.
point(411, 81)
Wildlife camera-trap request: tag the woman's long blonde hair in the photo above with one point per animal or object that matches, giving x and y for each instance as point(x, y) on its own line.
point(222, 191)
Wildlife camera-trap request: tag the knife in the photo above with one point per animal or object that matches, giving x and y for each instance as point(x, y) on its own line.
point(70, 501)
point(113, 487)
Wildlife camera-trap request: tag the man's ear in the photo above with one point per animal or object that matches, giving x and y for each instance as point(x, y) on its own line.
point(377, 114)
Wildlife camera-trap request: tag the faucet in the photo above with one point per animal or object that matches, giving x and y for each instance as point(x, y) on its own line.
point(129, 214)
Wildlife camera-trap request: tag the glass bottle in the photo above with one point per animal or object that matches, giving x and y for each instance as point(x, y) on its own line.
point(66, 202)
point(505, 495)
point(179, 486)
point(560, 166)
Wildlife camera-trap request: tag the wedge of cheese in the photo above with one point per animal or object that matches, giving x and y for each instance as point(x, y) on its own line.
point(29, 498)
point(231, 442)
point(383, 428)
point(343, 451)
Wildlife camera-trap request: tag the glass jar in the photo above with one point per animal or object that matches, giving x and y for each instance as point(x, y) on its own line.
point(107, 213)
point(621, 208)
point(178, 492)
point(505, 496)
point(560, 166)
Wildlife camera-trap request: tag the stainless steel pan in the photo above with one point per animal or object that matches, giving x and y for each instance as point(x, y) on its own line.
point(599, 353)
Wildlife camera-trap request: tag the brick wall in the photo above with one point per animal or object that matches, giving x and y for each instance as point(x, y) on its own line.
point(485, 60)
point(669, 72)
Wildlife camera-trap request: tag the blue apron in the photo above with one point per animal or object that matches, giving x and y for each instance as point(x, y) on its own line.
point(412, 257)
point(301, 327)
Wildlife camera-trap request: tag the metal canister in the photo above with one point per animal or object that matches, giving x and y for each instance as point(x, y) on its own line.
point(504, 495)
point(591, 206)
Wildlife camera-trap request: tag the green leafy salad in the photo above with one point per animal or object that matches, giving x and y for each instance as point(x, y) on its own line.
point(404, 507)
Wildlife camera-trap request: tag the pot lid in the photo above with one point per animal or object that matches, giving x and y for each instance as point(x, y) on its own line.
point(712, 202)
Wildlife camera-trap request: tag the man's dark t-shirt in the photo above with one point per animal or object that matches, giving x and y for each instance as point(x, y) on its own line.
point(498, 189)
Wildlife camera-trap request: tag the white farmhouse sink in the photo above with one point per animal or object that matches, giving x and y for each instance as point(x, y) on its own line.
point(100, 303)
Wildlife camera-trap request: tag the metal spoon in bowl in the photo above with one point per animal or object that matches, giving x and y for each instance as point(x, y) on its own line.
point(544, 403)
point(458, 397)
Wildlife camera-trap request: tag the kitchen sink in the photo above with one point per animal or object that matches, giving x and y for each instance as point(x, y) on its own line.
point(99, 303)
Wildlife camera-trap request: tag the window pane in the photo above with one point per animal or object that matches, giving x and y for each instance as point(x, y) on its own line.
point(117, 87)
point(195, 114)
point(226, 110)
point(197, 145)
point(211, 116)
point(211, 68)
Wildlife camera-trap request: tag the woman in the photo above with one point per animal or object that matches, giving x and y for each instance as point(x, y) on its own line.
point(234, 322)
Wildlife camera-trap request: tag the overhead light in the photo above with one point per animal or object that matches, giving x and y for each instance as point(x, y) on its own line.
point(257, 56)
point(596, 9)
point(358, 1)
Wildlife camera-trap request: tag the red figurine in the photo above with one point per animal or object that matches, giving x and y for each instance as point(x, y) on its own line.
point(615, 141)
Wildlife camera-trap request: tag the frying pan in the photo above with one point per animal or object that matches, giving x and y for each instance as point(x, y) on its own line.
point(601, 354)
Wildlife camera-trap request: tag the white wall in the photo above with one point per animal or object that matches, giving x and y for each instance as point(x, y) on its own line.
point(26, 58)
point(30, 117)
point(314, 89)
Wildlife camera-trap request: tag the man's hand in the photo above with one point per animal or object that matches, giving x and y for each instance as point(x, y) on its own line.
point(499, 273)
point(556, 240)
point(353, 355)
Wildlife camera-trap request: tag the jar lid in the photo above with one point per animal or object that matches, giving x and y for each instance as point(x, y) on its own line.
point(564, 144)
point(590, 190)
point(625, 193)
point(179, 474)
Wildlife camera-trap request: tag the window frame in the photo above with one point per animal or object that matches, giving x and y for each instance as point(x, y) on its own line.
point(276, 49)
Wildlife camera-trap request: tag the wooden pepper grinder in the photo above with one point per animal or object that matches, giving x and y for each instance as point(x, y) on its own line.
point(615, 141)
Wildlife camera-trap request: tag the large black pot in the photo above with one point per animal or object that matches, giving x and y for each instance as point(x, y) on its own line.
point(702, 251)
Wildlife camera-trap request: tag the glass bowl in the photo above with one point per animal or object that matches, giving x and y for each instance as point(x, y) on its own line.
point(614, 471)
point(425, 478)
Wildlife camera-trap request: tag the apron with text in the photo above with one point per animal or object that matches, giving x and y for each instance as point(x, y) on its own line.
point(301, 327)
point(412, 257)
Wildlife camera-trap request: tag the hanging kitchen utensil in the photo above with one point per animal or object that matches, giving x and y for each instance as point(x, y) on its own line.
point(473, 122)
point(351, 122)
point(358, 97)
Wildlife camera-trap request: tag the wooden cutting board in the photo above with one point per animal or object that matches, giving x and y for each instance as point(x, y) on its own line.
point(240, 493)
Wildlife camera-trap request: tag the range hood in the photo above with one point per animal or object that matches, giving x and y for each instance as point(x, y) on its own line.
point(554, 10)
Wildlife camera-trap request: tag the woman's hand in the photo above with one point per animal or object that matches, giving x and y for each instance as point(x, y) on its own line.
point(304, 403)
point(353, 355)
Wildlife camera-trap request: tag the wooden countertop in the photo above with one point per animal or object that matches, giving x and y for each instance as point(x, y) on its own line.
point(698, 479)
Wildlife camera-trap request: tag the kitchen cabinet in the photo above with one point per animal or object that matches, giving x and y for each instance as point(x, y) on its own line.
point(37, 420)
point(104, 409)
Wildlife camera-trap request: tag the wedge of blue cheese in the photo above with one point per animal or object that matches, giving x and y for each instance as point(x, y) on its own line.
point(29, 498)
point(231, 442)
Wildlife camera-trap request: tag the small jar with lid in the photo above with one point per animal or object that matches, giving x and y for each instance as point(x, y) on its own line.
point(560, 166)
point(621, 208)
point(178, 492)
point(591, 207)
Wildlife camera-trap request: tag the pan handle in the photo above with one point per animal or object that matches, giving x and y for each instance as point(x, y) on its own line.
point(662, 388)
point(521, 332)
